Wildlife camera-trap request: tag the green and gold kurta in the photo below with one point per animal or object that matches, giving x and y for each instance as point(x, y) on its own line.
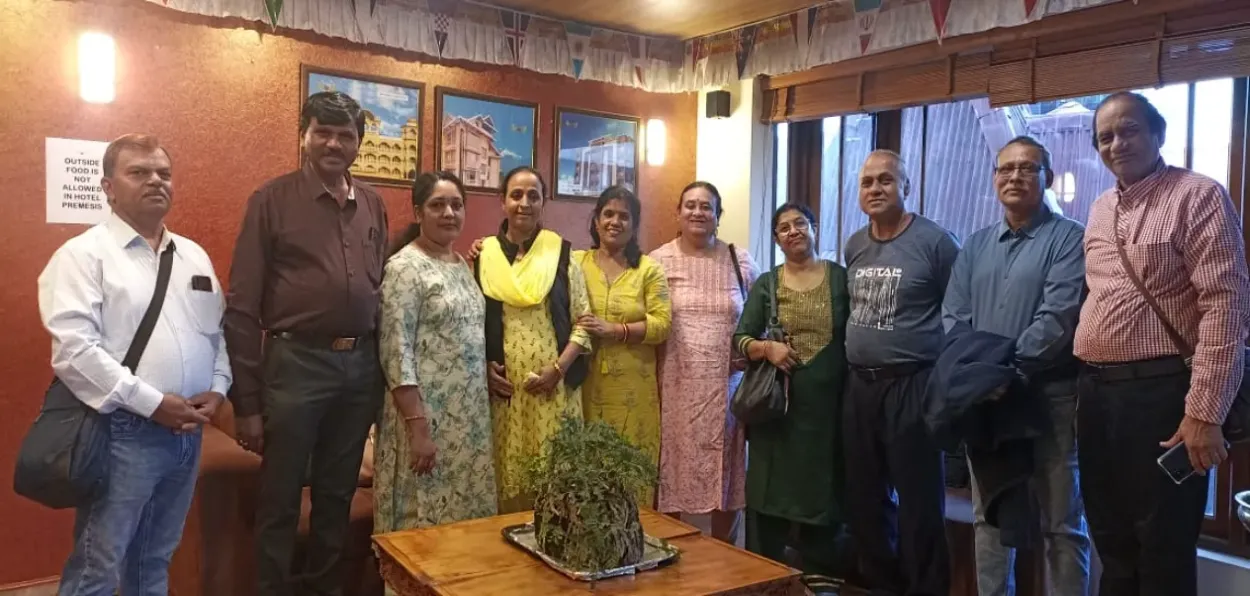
point(795, 466)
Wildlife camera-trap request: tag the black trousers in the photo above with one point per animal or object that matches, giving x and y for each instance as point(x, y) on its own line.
point(319, 405)
point(902, 546)
point(1144, 526)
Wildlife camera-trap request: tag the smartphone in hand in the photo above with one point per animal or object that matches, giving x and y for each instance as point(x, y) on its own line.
point(1175, 463)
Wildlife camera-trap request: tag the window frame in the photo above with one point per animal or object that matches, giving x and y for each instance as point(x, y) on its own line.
point(1223, 532)
point(807, 180)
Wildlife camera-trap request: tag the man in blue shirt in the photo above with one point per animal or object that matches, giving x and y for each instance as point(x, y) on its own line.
point(1024, 277)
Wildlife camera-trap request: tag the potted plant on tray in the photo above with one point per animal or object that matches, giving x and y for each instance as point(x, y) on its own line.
point(586, 484)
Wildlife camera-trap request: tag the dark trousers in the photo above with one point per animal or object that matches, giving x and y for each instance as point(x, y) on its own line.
point(820, 548)
point(902, 546)
point(1145, 527)
point(319, 405)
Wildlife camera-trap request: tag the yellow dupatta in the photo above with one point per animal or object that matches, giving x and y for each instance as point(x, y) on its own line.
point(526, 283)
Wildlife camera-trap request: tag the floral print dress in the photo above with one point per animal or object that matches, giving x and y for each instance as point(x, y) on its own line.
point(432, 335)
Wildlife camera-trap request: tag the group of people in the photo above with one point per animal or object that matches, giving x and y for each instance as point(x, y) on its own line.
point(465, 366)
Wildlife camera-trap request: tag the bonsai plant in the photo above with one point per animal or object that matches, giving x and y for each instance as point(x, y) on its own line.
point(585, 484)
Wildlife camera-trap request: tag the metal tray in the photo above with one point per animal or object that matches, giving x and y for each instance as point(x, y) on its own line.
point(656, 553)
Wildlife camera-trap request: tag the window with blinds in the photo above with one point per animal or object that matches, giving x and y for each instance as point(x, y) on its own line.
point(1199, 43)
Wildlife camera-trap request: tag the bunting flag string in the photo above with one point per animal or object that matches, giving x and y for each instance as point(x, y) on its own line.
point(578, 36)
point(474, 31)
point(939, 8)
point(546, 48)
point(775, 47)
point(1029, 5)
point(745, 42)
point(866, 21)
point(514, 26)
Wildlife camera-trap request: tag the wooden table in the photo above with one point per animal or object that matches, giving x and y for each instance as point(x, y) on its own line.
point(471, 558)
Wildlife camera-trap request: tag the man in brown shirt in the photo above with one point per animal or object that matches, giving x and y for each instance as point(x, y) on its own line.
point(300, 319)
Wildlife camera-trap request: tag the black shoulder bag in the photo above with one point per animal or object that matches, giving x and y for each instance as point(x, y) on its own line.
point(63, 461)
point(1236, 426)
point(762, 395)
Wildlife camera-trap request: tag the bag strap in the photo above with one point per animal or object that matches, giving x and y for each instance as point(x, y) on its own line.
point(1181, 345)
point(742, 284)
point(144, 333)
point(773, 321)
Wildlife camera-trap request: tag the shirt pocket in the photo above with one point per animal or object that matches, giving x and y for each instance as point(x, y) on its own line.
point(1157, 264)
point(200, 336)
point(204, 311)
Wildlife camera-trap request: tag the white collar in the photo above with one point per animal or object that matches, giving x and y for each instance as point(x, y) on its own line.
point(125, 235)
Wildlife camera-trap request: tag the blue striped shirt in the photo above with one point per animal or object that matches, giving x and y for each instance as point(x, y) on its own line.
point(1026, 283)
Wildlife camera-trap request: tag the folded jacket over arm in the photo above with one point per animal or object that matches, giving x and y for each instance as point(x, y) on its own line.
point(999, 433)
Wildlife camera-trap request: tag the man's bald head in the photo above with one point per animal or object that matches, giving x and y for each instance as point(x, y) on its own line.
point(883, 184)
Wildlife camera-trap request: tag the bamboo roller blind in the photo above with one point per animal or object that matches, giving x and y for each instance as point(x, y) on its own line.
point(1195, 44)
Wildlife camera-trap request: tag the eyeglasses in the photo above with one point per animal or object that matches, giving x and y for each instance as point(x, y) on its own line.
point(801, 225)
point(1026, 170)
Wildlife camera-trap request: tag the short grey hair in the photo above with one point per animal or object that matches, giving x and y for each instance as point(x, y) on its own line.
point(902, 163)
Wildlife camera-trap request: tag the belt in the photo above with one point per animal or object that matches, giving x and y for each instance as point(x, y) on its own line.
point(892, 371)
point(1068, 371)
point(324, 342)
point(1114, 372)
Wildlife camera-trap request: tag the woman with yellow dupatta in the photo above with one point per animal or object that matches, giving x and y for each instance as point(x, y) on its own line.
point(630, 317)
point(535, 294)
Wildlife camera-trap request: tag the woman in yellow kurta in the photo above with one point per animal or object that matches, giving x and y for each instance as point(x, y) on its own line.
point(630, 316)
point(535, 294)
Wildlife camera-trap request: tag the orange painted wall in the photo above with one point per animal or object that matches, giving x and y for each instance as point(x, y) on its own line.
point(224, 97)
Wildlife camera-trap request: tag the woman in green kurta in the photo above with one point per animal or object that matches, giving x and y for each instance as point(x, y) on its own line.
point(794, 465)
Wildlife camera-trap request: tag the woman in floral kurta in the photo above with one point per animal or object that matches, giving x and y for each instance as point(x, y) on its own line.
point(534, 344)
point(631, 316)
point(433, 459)
point(702, 446)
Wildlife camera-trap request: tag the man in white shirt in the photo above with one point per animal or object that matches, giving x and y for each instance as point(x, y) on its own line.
point(92, 295)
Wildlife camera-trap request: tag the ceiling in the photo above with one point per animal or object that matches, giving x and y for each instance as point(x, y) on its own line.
point(680, 18)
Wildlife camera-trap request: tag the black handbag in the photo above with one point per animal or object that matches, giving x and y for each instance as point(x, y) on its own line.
point(763, 394)
point(63, 461)
point(1236, 427)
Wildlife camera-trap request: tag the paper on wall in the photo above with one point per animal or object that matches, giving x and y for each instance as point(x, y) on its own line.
point(74, 194)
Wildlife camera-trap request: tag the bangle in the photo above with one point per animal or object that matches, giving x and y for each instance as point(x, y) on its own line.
point(414, 417)
point(624, 333)
point(559, 370)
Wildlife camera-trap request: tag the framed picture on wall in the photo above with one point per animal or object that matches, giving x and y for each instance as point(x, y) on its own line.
point(390, 151)
point(595, 151)
point(480, 138)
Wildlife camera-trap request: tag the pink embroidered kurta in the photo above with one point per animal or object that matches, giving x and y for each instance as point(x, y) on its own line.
point(702, 446)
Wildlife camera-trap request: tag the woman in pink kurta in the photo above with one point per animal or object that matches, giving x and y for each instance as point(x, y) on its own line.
point(702, 446)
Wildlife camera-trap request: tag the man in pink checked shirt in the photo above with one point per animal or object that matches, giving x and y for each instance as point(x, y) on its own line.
point(1137, 396)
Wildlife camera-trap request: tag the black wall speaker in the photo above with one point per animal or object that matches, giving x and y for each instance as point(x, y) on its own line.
point(718, 104)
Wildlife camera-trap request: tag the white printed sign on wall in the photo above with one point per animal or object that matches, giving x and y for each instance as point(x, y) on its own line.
point(74, 171)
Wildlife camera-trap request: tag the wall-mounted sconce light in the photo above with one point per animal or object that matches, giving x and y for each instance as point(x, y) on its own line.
point(657, 142)
point(96, 67)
